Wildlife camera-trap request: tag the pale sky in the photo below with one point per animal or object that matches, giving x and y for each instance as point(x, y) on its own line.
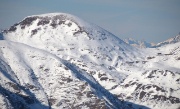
point(150, 20)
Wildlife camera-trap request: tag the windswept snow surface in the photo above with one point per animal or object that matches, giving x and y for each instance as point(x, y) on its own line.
point(57, 61)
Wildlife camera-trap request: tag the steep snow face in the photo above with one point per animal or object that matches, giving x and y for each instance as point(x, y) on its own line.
point(58, 60)
point(35, 79)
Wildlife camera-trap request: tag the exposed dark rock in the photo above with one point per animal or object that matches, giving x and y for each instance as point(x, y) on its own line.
point(33, 32)
point(12, 28)
point(126, 85)
point(43, 22)
point(14, 86)
point(159, 53)
point(28, 21)
point(144, 62)
point(133, 83)
point(150, 57)
point(142, 94)
point(130, 63)
point(138, 86)
point(100, 75)
point(104, 78)
point(29, 86)
point(92, 72)
point(148, 87)
point(61, 22)
point(150, 76)
point(158, 88)
point(178, 80)
point(89, 94)
point(78, 32)
point(114, 87)
point(67, 79)
point(110, 68)
point(69, 24)
point(178, 58)
point(46, 70)
point(66, 68)
point(129, 97)
point(163, 98)
point(168, 54)
point(52, 101)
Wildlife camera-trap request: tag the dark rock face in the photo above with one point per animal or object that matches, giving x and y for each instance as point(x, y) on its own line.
point(33, 32)
point(28, 21)
point(43, 22)
point(13, 28)
point(53, 21)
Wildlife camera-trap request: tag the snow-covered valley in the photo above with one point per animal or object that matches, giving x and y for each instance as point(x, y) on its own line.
point(59, 61)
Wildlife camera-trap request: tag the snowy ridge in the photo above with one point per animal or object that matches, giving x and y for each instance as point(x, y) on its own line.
point(144, 44)
point(169, 41)
point(138, 44)
point(60, 61)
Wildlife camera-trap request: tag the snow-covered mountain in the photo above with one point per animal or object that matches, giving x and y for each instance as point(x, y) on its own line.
point(60, 61)
point(144, 44)
point(138, 44)
point(169, 41)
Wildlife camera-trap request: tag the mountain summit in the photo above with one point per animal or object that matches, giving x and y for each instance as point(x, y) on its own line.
point(67, 35)
point(57, 61)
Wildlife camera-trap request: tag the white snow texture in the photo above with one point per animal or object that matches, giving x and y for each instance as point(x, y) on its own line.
point(59, 61)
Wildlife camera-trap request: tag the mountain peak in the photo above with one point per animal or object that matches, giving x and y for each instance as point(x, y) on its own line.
point(51, 19)
point(76, 36)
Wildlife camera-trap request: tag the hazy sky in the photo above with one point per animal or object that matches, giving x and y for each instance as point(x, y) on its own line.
point(150, 20)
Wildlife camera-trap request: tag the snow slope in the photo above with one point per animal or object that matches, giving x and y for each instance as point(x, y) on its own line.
point(60, 61)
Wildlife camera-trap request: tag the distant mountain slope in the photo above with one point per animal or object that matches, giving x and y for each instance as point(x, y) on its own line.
point(144, 44)
point(138, 44)
point(89, 47)
point(169, 41)
point(60, 61)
